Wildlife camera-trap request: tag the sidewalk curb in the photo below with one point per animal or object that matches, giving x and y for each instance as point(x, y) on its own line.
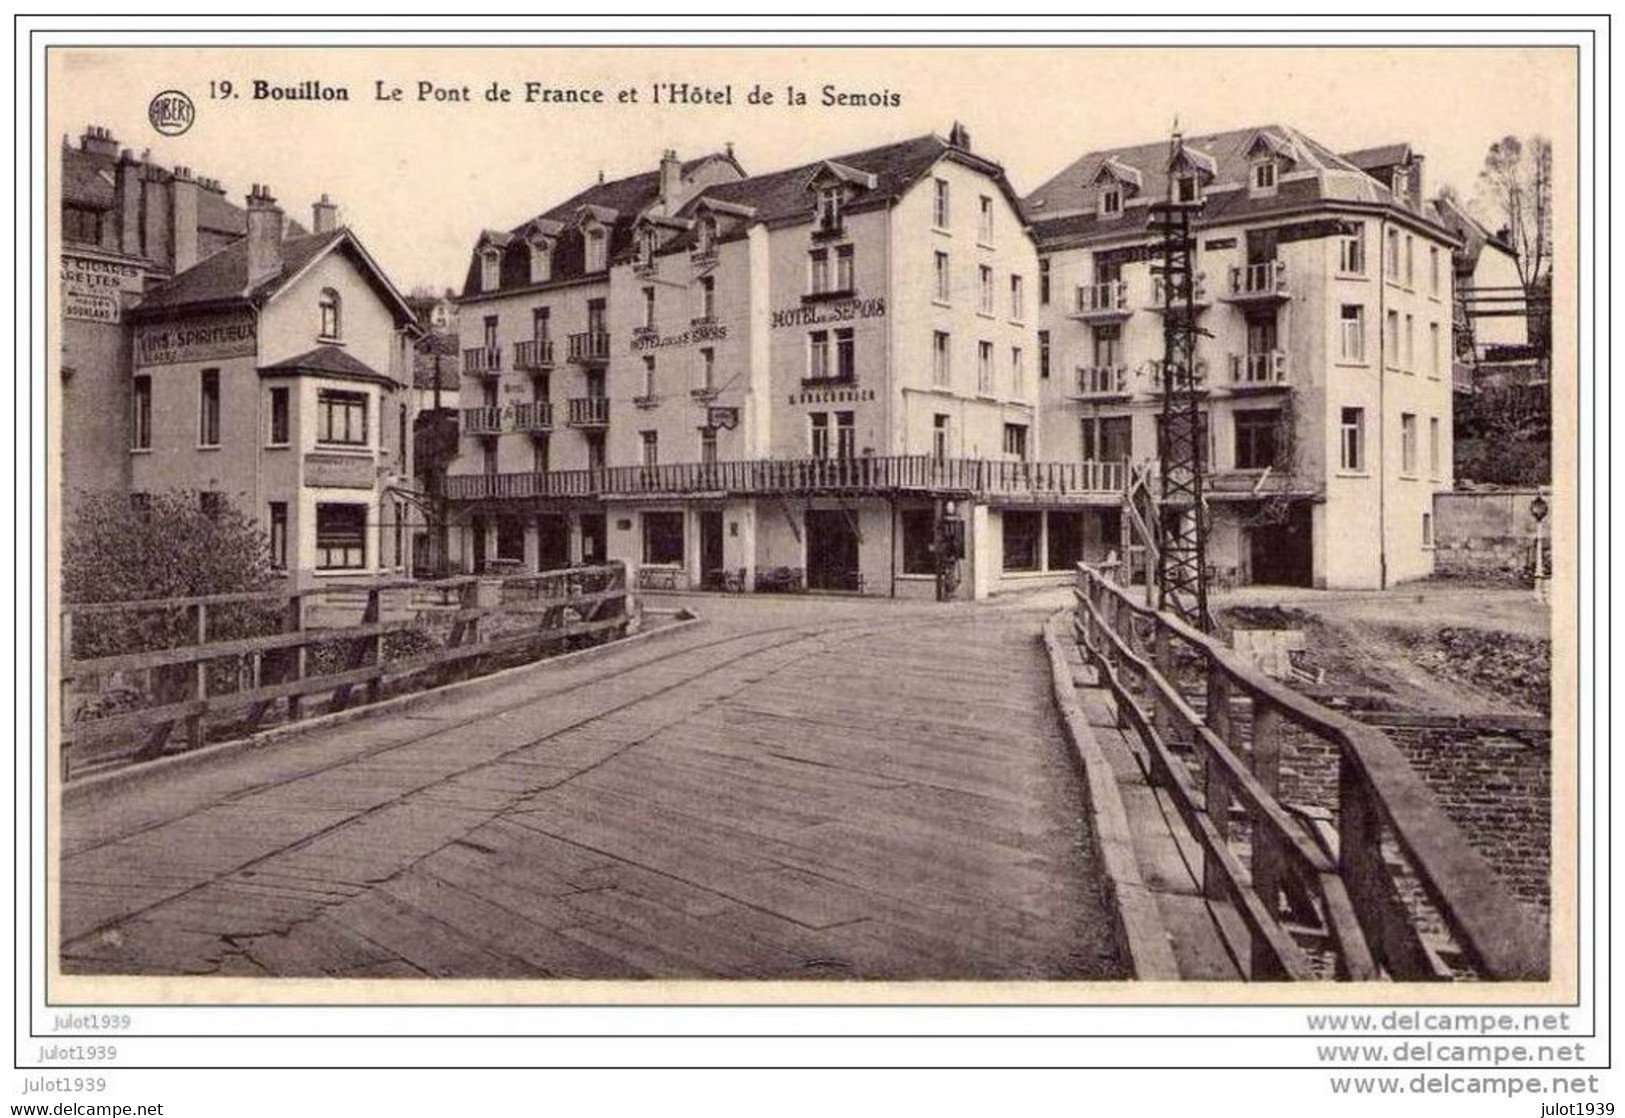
point(1142, 939)
point(93, 787)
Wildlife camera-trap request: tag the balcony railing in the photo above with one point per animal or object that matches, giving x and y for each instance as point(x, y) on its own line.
point(915, 473)
point(482, 421)
point(482, 360)
point(533, 417)
point(1198, 291)
point(1198, 375)
point(589, 411)
point(1101, 300)
point(589, 348)
point(1264, 280)
point(537, 354)
point(1264, 369)
point(1103, 380)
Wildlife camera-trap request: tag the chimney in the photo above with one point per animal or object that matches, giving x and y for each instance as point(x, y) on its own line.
point(959, 137)
point(324, 216)
point(99, 141)
point(127, 191)
point(671, 180)
point(264, 235)
point(183, 195)
point(1415, 182)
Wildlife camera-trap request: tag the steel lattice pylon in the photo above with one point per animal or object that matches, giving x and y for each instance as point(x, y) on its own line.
point(1182, 511)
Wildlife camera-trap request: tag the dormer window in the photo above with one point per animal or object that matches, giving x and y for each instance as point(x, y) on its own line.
point(597, 245)
point(541, 260)
point(1263, 181)
point(490, 269)
point(1187, 189)
point(1111, 201)
point(332, 323)
point(829, 209)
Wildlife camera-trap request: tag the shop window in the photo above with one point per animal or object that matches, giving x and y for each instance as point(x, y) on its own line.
point(341, 537)
point(919, 533)
point(663, 537)
point(511, 537)
point(1022, 532)
point(1065, 540)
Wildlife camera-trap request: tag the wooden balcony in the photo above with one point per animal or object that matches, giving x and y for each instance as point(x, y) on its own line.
point(1264, 282)
point(1101, 302)
point(482, 421)
point(589, 348)
point(533, 356)
point(1264, 369)
point(1097, 482)
point(1100, 381)
point(589, 412)
point(537, 417)
point(482, 360)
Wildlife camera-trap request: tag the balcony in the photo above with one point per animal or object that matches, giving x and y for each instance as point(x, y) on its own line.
point(590, 348)
point(1154, 379)
point(533, 356)
point(534, 418)
point(1258, 283)
point(482, 421)
point(1082, 483)
point(1099, 381)
point(1100, 302)
point(1264, 369)
point(589, 412)
point(487, 360)
point(1199, 296)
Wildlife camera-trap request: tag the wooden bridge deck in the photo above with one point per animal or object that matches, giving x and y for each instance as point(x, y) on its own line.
point(799, 789)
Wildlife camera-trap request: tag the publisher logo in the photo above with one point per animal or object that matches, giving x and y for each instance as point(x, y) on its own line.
point(171, 112)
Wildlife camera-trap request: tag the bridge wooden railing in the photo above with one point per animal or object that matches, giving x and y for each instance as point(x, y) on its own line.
point(240, 654)
point(1305, 881)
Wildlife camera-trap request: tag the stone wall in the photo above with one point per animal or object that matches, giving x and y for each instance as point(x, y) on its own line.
point(1479, 534)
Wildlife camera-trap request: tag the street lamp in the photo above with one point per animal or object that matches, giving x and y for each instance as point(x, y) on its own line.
point(1538, 509)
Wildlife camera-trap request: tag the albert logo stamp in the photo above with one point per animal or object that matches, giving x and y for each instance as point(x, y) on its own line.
point(171, 112)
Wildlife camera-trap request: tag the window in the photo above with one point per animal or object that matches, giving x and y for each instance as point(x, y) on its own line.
point(1407, 444)
point(1427, 529)
point(341, 417)
point(705, 238)
point(541, 453)
point(1108, 342)
point(984, 367)
point(1433, 270)
point(649, 448)
point(488, 451)
point(846, 435)
point(1391, 266)
point(939, 436)
point(818, 428)
point(1186, 188)
point(647, 244)
point(1043, 282)
point(1264, 175)
point(490, 332)
point(82, 224)
point(843, 268)
point(1435, 350)
point(1043, 355)
point(829, 209)
point(400, 436)
point(1433, 447)
point(708, 298)
point(818, 271)
point(1108, 440)
point(1018, 372)
point(332, 327)
point(818, 355)
point(648, 377)
point(278, 533)
point(541, 260)
point(940, 214)
point(1410, 260)
point(1352, 457)
point(341, 537)
point(1015, 441)
point(400, 534)
point(490, 269)
point(1022, 532)
point(941, 289)
point(1351, 252)
point(208, 408)
point(141, 414)
point(1204, 438)
point(941, 368)
point(1393, 340)
point(1018, 300)
point(1111, 202)
point(279, 417)
point(1410, 343)
point(596, 309)
point(708, 369)
point(919, 540)
point(595, 450)
point(1352, 318)
point(984, 223)
point(648, 308)
point(986, 276)
point(541, 324)
point(597, 259)
point(845, 355)
point(708, 446)
point(211, 503)
point(1257, 438)
point(663, 537)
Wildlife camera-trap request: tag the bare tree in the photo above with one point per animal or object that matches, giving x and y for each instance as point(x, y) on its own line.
point(1516, 183)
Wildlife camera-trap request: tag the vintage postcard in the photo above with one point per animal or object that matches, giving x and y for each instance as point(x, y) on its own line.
point(1051, 524)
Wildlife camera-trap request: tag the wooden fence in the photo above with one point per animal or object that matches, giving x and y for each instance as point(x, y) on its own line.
point(206, 670)
point(1309, 888)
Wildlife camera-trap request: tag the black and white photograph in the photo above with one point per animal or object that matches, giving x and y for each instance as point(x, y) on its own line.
point(1053, 524)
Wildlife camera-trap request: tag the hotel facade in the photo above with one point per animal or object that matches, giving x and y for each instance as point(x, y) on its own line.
point(1324, 308)
point(820, 378)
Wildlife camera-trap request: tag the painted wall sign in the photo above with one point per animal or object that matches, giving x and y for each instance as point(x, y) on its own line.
point(92, 287)
point(694, 335)
point(339, 471)
point(834, 396)
point(199, 340)
point(819, 314)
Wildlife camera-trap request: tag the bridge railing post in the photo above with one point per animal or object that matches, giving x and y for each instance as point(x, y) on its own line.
point(1215, 781)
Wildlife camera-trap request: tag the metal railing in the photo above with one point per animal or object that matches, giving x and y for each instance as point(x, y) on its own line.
point(1308, 891)
point(235, 656)
point(1264, 280)
point(1198, 290)
point(921, 473)
point(589, 347)
point(482, 360)
point(1265, 367)
point(534, 354)
point(589, 411)
point(1103, 380)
